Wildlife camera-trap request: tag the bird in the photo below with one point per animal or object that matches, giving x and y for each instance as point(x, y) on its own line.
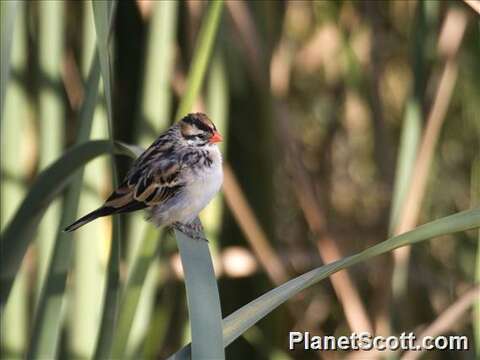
point(173, 179)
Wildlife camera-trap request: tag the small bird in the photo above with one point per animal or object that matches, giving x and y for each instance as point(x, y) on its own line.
point(174, 179)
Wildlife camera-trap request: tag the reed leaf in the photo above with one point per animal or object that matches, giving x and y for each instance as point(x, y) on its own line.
point(203, 299)
point(51, 114)
point(157, 94)
point(238, 322)
point(407, 154)
point(103, 13)
point(136, 280)
point(156, 115)
point(133, 290)
point(217, 101)
point(85, 293)
point(8, 11)
point(203, 51)
point(130, 150)
point(48, 317)
point(52, 181)
point(14, 315)
point(409, 143)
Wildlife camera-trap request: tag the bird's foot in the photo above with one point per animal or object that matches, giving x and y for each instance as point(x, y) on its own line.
point(193, 229)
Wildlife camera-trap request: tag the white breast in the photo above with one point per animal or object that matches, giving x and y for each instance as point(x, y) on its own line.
point(200, 188)
point(205, 184)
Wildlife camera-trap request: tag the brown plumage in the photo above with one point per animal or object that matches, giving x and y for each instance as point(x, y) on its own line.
point(161, 177)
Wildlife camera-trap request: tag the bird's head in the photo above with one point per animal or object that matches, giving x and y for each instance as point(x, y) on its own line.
point(198, 130)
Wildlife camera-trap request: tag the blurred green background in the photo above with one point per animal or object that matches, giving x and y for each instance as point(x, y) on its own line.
point(345, 122)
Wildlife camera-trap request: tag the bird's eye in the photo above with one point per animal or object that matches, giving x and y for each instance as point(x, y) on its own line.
point(197, 136)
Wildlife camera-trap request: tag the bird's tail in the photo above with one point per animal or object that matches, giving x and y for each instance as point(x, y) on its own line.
point(120, 201)
point(108, 209)
point(103, 211)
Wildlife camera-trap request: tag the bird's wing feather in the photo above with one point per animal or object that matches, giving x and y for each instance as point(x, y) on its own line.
point(153, 179)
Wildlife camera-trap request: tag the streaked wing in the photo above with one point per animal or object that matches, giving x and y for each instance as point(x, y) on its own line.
point(153, 179)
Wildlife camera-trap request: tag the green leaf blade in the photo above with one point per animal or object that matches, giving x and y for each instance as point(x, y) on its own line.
point(203, 52)
point(238, 322)
point(103, 12)
point(17, 234)
point(48, 318)
point(203, 298)
point(8, 12)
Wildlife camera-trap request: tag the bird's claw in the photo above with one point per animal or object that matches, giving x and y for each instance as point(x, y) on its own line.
point(193, 229)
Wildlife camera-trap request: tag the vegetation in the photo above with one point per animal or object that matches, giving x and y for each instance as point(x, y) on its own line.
point(345, 123)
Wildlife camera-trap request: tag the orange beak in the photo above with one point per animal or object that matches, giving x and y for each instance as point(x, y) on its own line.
point(216, 138)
